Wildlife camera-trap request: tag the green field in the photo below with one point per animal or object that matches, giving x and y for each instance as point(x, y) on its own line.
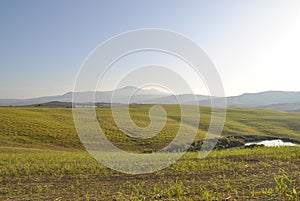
point(53, 128)
point(41, 158)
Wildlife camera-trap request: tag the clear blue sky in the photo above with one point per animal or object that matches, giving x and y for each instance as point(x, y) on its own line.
point(254, 44)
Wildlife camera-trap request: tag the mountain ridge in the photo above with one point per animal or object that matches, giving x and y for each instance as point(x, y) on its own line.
point(277, 100)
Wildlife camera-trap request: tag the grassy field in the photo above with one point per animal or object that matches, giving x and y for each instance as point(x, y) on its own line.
point(41, 158)
point(232, 174)
point(53, 128)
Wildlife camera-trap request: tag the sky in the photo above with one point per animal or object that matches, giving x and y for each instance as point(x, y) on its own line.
point(254, 44)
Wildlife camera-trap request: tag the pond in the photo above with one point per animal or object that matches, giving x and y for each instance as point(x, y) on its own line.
point(272, 143)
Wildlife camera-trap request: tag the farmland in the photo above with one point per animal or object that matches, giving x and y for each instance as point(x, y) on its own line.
point(53, 128)
point(41, 158)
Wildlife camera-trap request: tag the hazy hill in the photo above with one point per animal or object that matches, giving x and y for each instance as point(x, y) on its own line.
point(172, 99)
point(265, 100)
point(276, 100)
point(121, 95)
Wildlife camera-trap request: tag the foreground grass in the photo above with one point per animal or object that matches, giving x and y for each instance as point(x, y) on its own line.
point(235, 174)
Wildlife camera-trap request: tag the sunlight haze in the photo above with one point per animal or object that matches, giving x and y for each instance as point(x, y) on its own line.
point(254, 45)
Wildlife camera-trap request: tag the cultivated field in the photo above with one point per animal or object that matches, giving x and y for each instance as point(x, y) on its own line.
point(53, 128)
point(41, 158)
point(236, 174)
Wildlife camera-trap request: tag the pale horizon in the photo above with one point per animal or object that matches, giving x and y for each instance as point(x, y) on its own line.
point(108, 90)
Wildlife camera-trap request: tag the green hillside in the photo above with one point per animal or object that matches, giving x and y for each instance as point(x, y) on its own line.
point(42, 159)
point(53, 128)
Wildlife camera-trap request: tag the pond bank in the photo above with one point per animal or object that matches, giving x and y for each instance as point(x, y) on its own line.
point(243, 141)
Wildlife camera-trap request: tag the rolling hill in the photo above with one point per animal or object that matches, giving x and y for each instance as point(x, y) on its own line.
point(275, 100)
point(288, 107)
point(53, 128)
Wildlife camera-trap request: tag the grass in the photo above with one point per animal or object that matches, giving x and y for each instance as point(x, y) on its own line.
point(41, 158)
point(238, 174)
point(53, 128)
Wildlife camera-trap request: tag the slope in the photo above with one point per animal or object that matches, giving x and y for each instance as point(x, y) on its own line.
point(53, 128)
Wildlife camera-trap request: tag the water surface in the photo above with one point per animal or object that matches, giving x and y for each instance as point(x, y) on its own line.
point(272, 143)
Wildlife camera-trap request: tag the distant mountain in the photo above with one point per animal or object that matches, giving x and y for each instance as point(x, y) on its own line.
point(264, 98)
point(176, 99)
point(275, 100)
point(259, 100)
point(122, 95)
